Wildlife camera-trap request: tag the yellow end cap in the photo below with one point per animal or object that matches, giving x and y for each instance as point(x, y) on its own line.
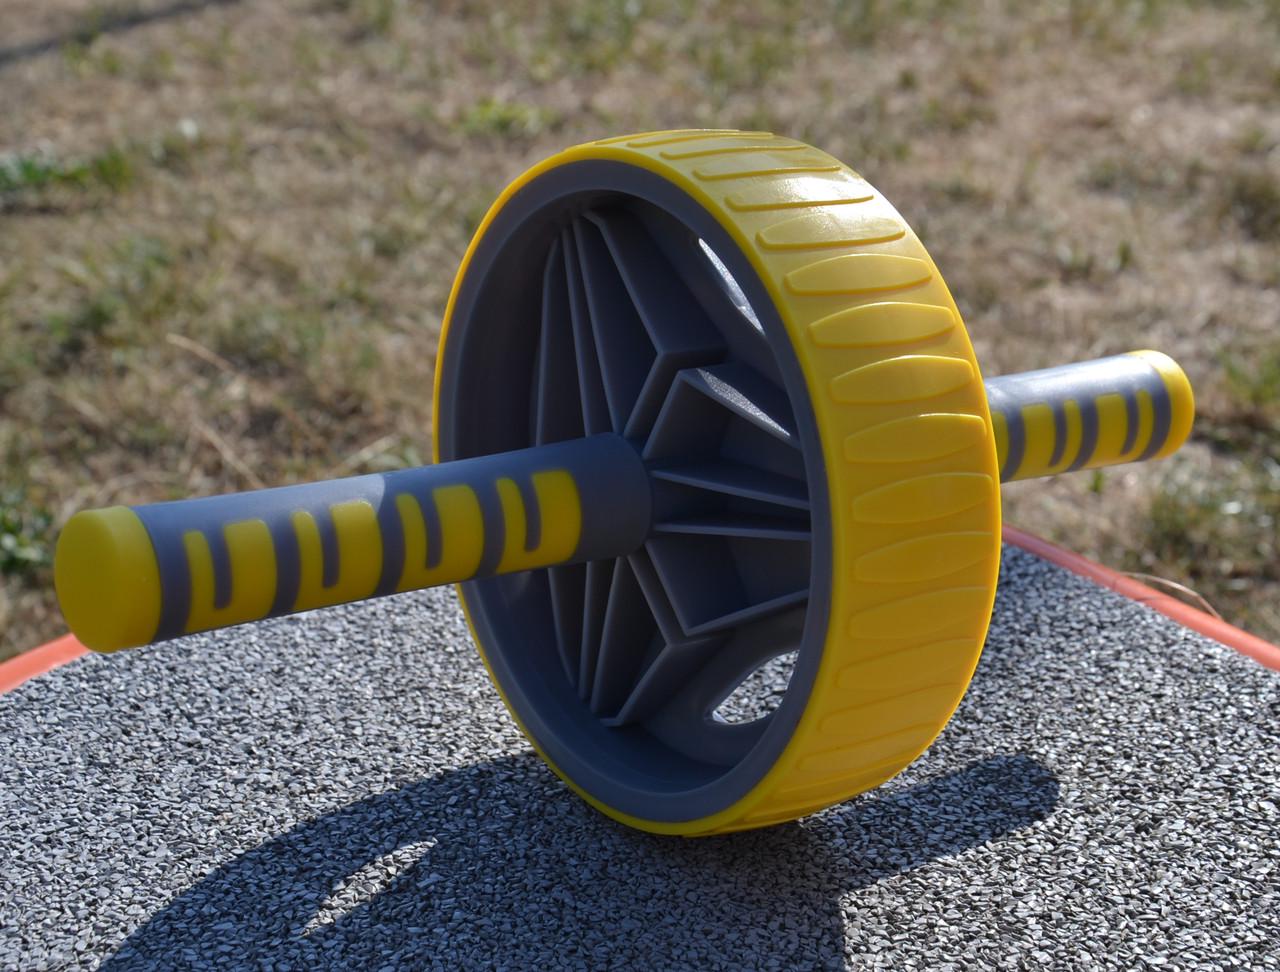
point(108, 580)
point(1182, 400)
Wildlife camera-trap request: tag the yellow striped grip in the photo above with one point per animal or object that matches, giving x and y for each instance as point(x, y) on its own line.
point(1127, 408)
point(131, 576)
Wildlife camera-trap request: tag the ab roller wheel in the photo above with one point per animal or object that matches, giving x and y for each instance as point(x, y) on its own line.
point(667, 289)
point(703, 405)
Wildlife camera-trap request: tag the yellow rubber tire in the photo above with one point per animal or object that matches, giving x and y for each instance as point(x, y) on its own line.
point(906, 439)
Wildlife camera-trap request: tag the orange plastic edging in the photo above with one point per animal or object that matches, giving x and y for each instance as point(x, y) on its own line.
point(37, 661)
point(1186, 615)
point(17, 670)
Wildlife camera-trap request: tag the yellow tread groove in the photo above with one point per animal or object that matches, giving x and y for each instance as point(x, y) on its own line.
point(853, 274)
point(850, 724)
point(828, 229)
point(923, 558)
point(840, 769)
point(915, 616)
point(907, 378)
point(746, 168)
point(916, 438)
point(881, 324)
point(812, 797)
point(850, 768)
point(775, 196)
point(923, 498)
point(664, 138)
point(706, 153)
point(809, 799)
point(895, 663)
point(902, 668)
point(835, 764)
point(694, 135)
point(889, 646)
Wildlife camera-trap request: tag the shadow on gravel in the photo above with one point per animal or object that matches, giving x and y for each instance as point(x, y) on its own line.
point(510, 866)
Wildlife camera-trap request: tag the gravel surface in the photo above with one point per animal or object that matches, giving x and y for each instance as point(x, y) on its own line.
point(344, 790)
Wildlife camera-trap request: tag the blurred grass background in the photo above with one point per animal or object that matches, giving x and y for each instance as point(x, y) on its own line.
point(228, 227)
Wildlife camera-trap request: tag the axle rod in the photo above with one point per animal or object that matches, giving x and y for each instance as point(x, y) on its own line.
point(128, 576)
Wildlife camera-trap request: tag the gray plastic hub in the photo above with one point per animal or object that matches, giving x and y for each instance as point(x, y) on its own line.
point(601, 299)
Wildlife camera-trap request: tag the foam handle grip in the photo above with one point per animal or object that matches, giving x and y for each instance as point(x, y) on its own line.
point(1127, 408)
point(128, 576)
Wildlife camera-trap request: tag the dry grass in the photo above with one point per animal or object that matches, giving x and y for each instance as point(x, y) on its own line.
point(229, 229)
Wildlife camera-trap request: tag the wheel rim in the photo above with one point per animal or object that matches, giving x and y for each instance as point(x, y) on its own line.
point(653, 317)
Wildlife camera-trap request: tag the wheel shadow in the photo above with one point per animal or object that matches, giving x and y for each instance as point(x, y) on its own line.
point(498, 863)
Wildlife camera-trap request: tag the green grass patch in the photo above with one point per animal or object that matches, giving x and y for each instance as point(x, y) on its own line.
point(506, 119)
point(112, 169)
point(1254, 381)
point(1221, 537)
point(37, 176)
point(26, 535)
point(119, 296)
point(270, 340)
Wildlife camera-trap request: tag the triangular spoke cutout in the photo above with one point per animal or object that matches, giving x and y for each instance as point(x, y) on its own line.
point(677, 326)
point(557, 414)
point(629, 639)
point(718, 582)
point(736, 479)
point(732, 524)
point(644, 333)
point(715, 291)
point(625, 351)
point(595, 407)
point(568, 589)
point(731, 413)
point(688, 722)
point(599, 576)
